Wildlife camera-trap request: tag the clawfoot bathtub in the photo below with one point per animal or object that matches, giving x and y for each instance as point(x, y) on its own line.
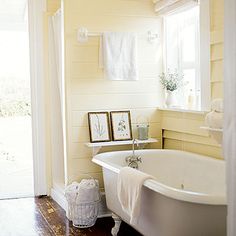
point(187, 197)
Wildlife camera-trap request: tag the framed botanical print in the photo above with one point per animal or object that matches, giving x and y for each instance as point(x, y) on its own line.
point(121, 125)
point(99, 127)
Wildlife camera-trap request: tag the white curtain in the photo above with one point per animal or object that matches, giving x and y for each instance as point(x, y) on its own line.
point(181, 40)
point(229, 137)
point(55, 38)
point(163, 7)
point(56, 92)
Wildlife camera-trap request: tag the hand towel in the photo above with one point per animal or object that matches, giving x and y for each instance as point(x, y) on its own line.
point(118, 55)
point(217, 105)
point(129, 185)
point(214, 120)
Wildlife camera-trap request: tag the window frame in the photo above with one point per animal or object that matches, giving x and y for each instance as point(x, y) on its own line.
point(203, 81)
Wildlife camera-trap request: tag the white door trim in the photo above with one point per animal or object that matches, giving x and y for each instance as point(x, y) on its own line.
point(36, 10)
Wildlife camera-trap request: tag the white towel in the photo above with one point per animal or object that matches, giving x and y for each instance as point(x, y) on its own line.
point(129, 187)
point(214, 120)
point(217, 105)
point(71, 192)
point(88, 191)
point(118, 55)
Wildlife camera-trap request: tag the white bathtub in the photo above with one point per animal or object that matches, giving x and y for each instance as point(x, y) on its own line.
point(187, 197)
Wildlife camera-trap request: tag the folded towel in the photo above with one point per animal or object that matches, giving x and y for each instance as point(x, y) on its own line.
point(214, 120)
point(217, 105)
point(129, 185)
point(118, 55)
point(88, 191)
point(71, 192)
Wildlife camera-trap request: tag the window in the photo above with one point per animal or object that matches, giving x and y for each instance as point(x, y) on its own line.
point(184, 43)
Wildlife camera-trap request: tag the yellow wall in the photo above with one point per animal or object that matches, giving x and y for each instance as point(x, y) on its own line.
point(53, 5)
point(181, 130)
point(86, 88)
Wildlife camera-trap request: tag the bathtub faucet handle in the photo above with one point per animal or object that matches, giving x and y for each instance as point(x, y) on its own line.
point(133, 159)
point(139, 159)
point(133, 146)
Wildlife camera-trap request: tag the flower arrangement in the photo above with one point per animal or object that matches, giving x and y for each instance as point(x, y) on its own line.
point(171, 81)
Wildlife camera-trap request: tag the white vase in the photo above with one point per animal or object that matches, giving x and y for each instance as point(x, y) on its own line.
point(169, 98)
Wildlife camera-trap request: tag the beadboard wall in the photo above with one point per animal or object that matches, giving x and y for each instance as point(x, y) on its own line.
point(181, 130)
point(88, 90)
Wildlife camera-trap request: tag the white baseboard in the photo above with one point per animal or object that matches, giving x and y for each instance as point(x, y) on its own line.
point(59, 197)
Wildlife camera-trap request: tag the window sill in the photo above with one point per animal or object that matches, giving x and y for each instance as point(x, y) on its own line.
point(178, 109)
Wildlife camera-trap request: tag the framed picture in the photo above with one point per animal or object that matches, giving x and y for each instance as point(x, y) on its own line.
point(121, 125)
point(99, 127)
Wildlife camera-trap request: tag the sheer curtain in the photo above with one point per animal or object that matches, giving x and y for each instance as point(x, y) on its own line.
point(182, 51)
point(229, 136)
point(55, 39)
point(56, 87)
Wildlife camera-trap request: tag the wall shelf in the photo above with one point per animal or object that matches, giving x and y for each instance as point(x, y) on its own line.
point(97, 146)
point(211, 129)
point(178, 109)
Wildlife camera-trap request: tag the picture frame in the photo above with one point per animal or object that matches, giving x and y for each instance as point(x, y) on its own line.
point(121, 125)
point(99, 127)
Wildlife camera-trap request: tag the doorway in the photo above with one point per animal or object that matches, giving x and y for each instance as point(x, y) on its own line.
point(16, 158)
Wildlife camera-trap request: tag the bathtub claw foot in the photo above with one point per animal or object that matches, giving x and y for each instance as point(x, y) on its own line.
point(116, 228)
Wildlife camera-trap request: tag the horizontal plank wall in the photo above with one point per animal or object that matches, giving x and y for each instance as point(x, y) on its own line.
point(88, 90)
point(181, 130)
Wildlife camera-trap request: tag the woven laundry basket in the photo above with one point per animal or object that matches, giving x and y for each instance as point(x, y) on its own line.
point(84, 214)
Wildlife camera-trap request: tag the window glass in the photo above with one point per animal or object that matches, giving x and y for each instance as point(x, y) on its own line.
point(188, 46)
point(182, 47)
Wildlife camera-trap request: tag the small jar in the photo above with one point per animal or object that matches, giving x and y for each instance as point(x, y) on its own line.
point(143, 131)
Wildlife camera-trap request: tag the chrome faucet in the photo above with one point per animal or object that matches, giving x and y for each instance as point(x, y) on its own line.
point(133, 160)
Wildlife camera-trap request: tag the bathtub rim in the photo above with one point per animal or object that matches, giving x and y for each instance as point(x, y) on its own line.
point(178, 194)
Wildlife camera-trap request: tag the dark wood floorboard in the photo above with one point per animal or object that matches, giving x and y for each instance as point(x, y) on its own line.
point(44, 217)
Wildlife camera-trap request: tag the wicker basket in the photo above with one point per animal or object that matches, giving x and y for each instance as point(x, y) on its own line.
point(84, 215)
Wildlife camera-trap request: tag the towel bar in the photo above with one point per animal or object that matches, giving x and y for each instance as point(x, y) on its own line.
point(83, 34)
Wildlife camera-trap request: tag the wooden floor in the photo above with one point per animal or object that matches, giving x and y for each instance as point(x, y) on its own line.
point(44, 217)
